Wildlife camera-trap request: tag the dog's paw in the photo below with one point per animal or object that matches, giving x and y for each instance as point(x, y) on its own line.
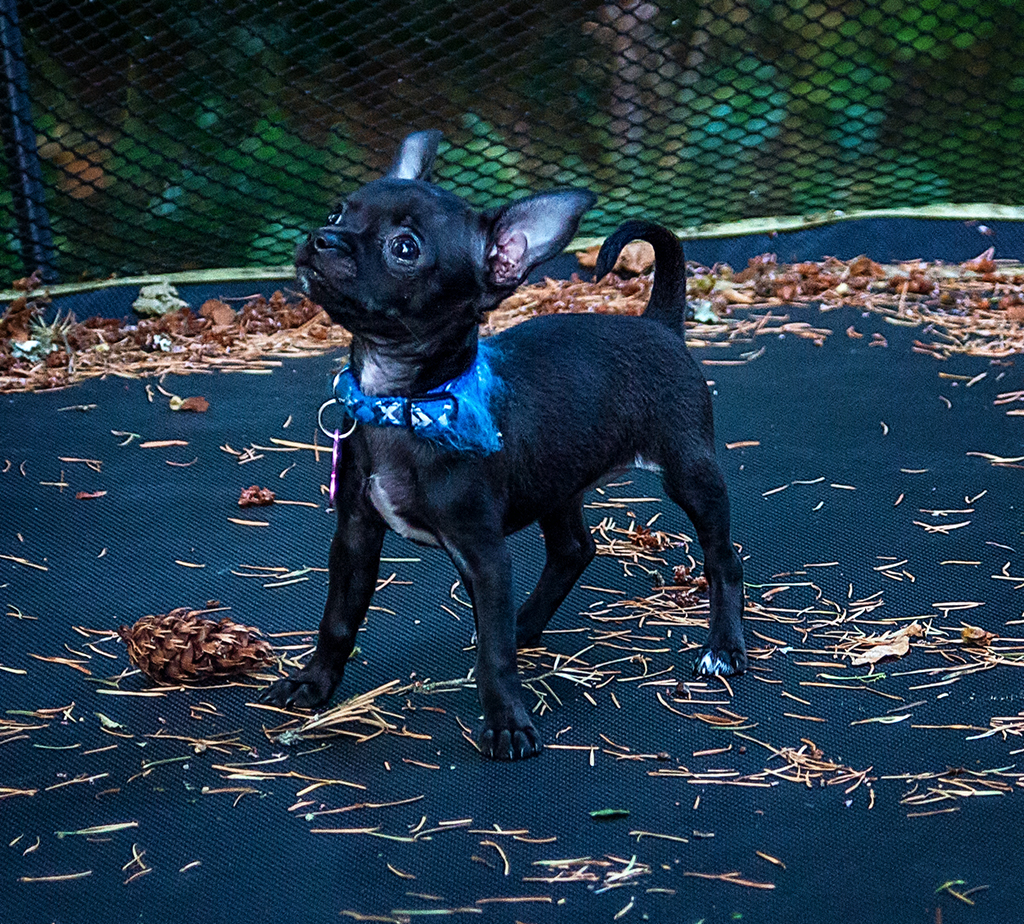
point(715, 662)
point(305, 690)
point(510, 743)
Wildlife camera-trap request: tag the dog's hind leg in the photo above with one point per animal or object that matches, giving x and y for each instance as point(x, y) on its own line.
point(699, 488)
point(570, 548)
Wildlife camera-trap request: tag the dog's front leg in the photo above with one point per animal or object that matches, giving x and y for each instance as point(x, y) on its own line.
point(353, 567)
point(485, 566)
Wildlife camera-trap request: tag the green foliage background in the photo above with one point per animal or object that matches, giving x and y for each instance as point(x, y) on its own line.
point(194, 134)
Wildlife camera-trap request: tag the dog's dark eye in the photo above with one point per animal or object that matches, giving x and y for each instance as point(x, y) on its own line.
point(334, 218)
point(405, 247)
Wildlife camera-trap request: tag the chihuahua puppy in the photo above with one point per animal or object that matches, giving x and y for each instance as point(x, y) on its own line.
point(458, 442)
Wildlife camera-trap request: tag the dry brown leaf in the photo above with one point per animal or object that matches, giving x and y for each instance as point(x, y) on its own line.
point(983, 263)
point(588, 258)
point(197, 404)
point(735, 297)
point(865, 266)
point(887, 646)
point(255, 496)
point(895, 649)
point(974, 635)
point(217, 311)
point(27, 283)
point(636, 258)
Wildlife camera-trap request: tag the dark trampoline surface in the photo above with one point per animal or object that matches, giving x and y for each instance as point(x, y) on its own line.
point(857, 446)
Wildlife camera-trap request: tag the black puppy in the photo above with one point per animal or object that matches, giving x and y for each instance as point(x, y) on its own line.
point(459, 442)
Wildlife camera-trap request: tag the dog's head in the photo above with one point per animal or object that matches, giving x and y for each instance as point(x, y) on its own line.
point(404, 254)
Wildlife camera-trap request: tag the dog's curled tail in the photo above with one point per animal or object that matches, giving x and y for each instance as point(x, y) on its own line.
point(668, 296)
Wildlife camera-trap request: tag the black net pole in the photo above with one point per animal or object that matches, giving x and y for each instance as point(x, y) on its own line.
point(24, 174)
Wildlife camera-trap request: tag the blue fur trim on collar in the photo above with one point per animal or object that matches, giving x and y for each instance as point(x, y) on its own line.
point(457, 414)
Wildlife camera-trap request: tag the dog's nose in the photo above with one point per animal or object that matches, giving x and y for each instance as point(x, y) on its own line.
point(328, 238)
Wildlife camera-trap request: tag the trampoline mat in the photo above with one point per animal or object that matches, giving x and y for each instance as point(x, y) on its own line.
point(876, 503)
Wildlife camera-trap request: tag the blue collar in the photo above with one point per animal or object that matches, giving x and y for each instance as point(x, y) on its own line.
point(456, 414)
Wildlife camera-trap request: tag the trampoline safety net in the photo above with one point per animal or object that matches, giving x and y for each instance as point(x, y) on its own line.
point(156, 136)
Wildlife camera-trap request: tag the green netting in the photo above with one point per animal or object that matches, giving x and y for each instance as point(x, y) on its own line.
point(195, 134)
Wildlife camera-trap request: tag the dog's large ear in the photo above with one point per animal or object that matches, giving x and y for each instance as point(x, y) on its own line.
point(530, 231)
point(415, 157)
